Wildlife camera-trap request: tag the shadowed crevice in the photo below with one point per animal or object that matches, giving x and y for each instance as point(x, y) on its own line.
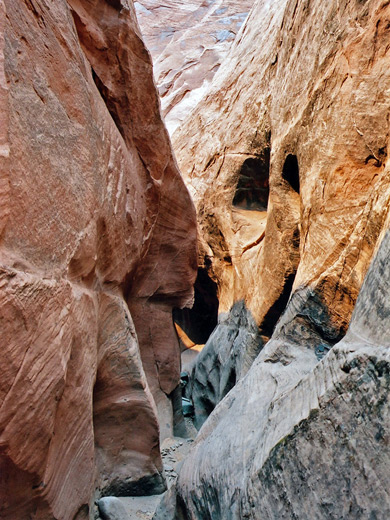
point(200, 321)
point(277, 309)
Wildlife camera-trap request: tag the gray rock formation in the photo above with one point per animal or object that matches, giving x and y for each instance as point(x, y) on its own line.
point(282, 445)
point(111, 508)
point(226, 357)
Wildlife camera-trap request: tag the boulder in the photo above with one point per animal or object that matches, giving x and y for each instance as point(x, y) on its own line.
point(111, 508)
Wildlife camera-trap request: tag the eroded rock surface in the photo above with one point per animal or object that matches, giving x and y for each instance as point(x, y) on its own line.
point(286, 159)
point(188, 41)
point(231, 349)
point(304, 101)
point(93, 218)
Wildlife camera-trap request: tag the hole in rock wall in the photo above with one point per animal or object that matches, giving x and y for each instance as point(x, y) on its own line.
point(290, 172)
point(200, 321)
point(253, 183)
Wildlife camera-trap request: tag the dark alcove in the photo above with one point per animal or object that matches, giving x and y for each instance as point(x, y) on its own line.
point(253, 183)
point(290, 172)
point(200, 321)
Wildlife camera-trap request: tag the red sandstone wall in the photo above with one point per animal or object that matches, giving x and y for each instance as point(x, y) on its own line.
point(94, 217)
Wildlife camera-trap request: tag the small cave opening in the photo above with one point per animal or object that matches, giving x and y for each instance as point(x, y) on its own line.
point(290, 172)
point(252, 188)
point(200, 321)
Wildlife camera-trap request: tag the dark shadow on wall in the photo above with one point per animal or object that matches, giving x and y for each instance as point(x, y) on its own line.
point(276, 310)
point(200, 321)
point(253, 183)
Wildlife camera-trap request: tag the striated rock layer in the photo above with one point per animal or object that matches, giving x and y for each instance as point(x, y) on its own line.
point(94, 220)
point(287, 160)
point(283, 446)
point(188, 40)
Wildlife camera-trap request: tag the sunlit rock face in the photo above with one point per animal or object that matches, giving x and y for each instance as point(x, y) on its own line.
point(188, 41)
point(94, 220)
point(286, 159)
point(303, 99)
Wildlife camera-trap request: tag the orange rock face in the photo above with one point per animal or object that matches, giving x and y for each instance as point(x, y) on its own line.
point(94, 220)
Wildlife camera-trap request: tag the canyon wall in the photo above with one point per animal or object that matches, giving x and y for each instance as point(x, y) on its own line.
point(97, 246)
point(188, 40)
point(287, 161)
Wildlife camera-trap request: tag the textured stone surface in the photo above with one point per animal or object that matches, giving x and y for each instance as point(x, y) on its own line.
point(304, 97)
point(93, 218)
point(301, 104)
point(188, 41)
point(313, 447)
point(111, 508)
point(231, 349)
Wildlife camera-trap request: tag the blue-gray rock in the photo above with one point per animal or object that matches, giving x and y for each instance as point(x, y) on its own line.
point(111, 508)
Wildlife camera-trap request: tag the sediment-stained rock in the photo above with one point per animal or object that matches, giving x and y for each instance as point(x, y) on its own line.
point(93, 216)
point(188, 41)
point(286, 159)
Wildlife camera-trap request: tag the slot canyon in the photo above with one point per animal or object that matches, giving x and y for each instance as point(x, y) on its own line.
point(194, 260)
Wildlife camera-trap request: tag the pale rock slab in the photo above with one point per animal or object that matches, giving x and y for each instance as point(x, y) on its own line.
point(308, 443)
point(188, 41)
point(111, 508)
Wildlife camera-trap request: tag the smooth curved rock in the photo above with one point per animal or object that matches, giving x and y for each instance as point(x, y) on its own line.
point(111, 508)
point(305, 447)
point(226, 357)
point(89, 224)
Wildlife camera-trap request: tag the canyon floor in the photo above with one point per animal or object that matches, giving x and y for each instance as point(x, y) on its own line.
point(173, 451)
